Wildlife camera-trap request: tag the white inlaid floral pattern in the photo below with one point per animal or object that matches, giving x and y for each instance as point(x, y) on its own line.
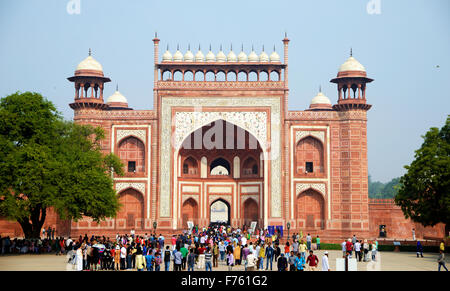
point(305, 186)
point(139, 133)
point(320, 135)
point(138, 186)
point(188, 122)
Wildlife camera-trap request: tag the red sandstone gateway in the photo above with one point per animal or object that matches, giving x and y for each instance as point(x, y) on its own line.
point(221, 146)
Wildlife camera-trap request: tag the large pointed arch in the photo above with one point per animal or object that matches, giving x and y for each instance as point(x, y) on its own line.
point(310, 210)
point(268, 128)
point(131, 211)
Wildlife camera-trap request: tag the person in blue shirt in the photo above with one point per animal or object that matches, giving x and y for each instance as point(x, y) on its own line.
point(300, 262)
point(269, 257)
point(149, 261)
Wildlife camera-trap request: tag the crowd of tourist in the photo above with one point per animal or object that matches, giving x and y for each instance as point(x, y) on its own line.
point(201, 249)
point(197, 249)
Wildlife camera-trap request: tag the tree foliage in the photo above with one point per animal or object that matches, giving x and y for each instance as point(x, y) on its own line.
point(383, 191)
point(424, 193)
point(48, 162)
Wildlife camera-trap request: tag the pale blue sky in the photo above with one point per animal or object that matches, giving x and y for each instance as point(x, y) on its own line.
point(41, 44)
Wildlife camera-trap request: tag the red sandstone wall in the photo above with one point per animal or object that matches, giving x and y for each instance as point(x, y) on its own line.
point(13, 228)
point(397, 226)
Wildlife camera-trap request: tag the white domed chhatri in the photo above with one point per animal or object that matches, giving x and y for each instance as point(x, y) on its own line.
point(320, 102)
point(274, 57)
point(242, 57)
point(178, 56)
point(189, 56)
point(167, 56)
point(199, 57)
point(221, 57)
point(117, 100)
point(351, 64)
point(232, 56)
point(263, 57)
point(89, 63)
point(253, 57)
point(320, 99)
point(210, 57)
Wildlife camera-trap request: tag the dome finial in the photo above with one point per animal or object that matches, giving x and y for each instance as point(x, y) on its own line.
point(178, 46)
point(90, 52)
point(167, 46)
point(198, 46)
point(117, 87)
point(221, 47)
point(231, 46)
point(351, 52)
point(209, 47)
point(273, 47)
point(156, 34)
point(252, 48)
point(320, 88)
point(189, 47)
point(263, 47)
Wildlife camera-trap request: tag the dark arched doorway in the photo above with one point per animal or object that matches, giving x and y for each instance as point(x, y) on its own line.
point(219, 212)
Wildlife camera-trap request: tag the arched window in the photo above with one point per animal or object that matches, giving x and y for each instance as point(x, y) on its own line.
point(250, 167)
point(132, 153)
point(210, 77)
point(310, 157)
point(188, 76)
point(274, 76)
point(199, 76)
point(220, 167)
point(231, 76)
point(263, 76)
point(177, 76)
point(242, 76)
point(166, 76)
point(220, 76)
point(253, 76)
point(190, 166)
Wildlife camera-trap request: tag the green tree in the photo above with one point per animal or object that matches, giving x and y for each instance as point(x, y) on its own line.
point(391, 188)
point(424, 192)
point(375, 188)
point(48, 162)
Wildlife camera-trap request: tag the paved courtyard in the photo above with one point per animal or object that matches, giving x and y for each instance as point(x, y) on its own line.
point(386, 261)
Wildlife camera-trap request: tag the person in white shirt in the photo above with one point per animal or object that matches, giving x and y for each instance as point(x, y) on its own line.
point(251, 262)
point(325, 265)
point(123, 255)
point(374, 251)
point(68, 241)
point(358, 250)
point(344, 249)
point(243, 241)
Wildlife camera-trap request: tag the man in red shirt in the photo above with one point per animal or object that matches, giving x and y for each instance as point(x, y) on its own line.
point(349, 247)
point(201, 250)
point(312, 261)
point(174, 242)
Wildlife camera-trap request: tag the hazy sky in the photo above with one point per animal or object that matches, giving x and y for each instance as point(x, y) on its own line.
point(401, 47)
